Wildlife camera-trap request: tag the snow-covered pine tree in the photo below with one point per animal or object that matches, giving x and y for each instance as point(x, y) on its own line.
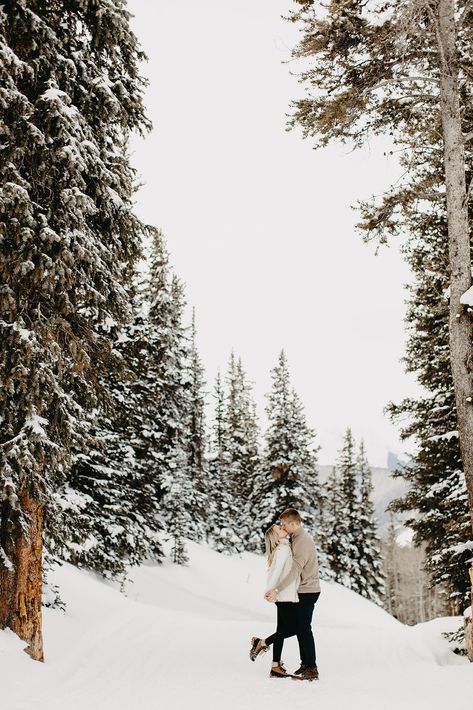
point(278, 486)
point(347, 525)
point(370, 580)
point(436, 502)
point(306, 462)
point(289, 468)
point(197, 433)
point(71, 93)
point(115, 480)
point(241, 433)
point(136, 466)
point(182, 510)
point(223, 513)
point(197, 429)
point(321, 531)
point(333, 544)
point(178, 502)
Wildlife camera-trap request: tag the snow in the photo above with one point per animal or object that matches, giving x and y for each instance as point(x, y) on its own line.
point(447, 436)
point(37, 425)
point(115, 198)
point(405, 537)
point(54, 94)
point(179, 637)
point(467, 297)
point(5, 561)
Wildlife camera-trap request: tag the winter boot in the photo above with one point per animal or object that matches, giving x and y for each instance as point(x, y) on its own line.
point(301, 669)
point(279, 671)
point(310, 673)
point(257, 647)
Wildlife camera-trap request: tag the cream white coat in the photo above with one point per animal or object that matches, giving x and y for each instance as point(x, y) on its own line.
point(280, 566)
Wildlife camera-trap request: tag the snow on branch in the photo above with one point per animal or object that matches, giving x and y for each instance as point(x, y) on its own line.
point(467, 297)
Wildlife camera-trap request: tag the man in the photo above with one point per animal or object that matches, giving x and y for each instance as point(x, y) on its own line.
point(304, 567)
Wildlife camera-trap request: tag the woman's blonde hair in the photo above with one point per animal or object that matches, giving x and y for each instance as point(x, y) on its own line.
point(271, 541)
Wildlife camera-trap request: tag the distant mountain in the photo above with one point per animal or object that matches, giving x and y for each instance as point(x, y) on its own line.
point(385, 489)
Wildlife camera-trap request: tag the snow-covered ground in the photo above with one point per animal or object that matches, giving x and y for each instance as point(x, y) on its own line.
point(179, 638)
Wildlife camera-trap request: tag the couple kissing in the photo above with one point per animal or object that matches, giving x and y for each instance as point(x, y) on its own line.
point(293, 585)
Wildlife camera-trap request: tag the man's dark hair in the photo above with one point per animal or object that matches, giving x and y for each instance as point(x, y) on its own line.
point(291, 514)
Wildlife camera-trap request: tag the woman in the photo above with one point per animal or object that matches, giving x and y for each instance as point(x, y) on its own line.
point(279, 554)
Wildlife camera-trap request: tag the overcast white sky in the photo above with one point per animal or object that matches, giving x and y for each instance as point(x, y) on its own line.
point(260, 226)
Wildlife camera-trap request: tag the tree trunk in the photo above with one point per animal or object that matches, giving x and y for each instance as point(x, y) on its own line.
point(20, 589)
point(461, 325)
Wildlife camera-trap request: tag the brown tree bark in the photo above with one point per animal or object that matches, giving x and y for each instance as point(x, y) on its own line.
point(21, 588)
point(460, 322)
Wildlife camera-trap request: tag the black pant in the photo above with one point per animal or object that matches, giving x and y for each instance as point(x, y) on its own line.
point(296, 619)
point(304, 610)
point(286, 626)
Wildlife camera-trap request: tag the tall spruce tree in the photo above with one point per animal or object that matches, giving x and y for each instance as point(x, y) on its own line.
point(289, 470)
point(349, 536)
point(436, 502)
point(348, 528)
point(223, 514)
point(178, 502)
point(182, 499)
point(241, 427)
point(71, 93)
point(370, 582)
point(115, 482)
point(197, 432)
point(333, 542)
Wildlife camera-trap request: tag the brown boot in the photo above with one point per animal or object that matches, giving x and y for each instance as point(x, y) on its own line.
point(301, 669)
point(258, 646)
point(279, 671)
point(309, 673)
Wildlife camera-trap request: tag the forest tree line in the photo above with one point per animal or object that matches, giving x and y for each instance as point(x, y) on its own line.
point(103, 444)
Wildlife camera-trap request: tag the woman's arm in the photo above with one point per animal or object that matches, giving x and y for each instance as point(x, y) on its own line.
point(277, 566)
point(300, 554)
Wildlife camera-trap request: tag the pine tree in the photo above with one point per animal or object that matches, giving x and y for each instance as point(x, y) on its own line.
point(349, 536)
point(436, 502)
point(138, 474)
point(333, 542)
point(322, 531)
point(115, 481)
point(182, 500)
point(197, 433)
point(178, 502)
point(348, 529)
point(370, 582)
point(68, 247)
point(241, 429)
point(223, 517)
point(306, 463)
point(289, 473)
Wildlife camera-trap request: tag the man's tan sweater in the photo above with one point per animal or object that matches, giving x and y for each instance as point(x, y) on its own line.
point(304, 564)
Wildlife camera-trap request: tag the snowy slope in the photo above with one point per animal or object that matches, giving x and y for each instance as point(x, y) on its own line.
point(179, 639)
